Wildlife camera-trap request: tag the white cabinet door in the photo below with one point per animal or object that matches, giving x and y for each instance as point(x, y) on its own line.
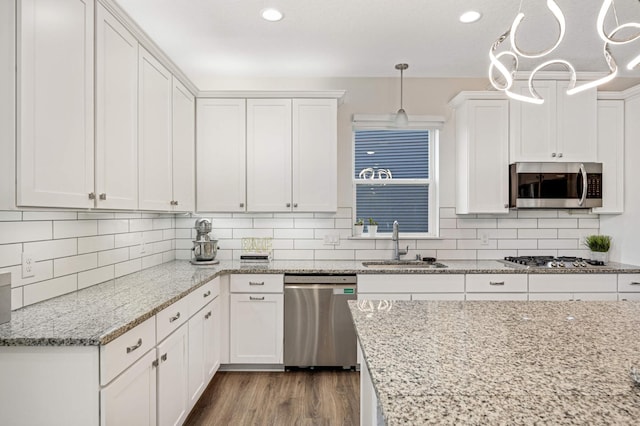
point(269, 155)
point(576, 124)
point(611, 155)
point(55, 103)
point(315, 155)
point(131, 398)
point(183, 165)
point(221, 147)
point(154, 134)
point(116, 114)
point(482, 157)
point(256, 328)
point(173, 369)
point(384, 296)
point(212, 339)
point(196, 380)
point(533, 127)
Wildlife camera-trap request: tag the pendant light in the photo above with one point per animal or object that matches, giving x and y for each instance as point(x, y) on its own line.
point(401, 119)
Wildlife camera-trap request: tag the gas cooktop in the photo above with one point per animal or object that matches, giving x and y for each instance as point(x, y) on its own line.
point(550, 262)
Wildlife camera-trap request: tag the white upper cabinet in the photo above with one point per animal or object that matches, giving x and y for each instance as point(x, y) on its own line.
point(183, 142)
point(55, 153)
point(482, 156)
point(116, 114)
point(221, 148)
point(154, 134)
point(563, 128)
point(315, 156)
point(611, 155)
point(269, 155)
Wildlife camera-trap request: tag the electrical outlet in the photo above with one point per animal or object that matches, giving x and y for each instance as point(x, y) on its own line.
point(143, 248)
point(28, 265)
point(484, 238)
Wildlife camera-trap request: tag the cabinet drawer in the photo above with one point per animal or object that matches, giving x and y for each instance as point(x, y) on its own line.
point(496, 283)
point(629, 296)
point(629, 283)
point(172, 317)
point(203, 295)
point(438, 296)
point(411, 283)
point(257, 283)
point(572, 283)
point(119, 354)
point(497, 296)
point(592, 297)
point(384, 296)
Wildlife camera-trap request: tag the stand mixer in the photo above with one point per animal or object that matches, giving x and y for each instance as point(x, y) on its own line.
point(204, 248)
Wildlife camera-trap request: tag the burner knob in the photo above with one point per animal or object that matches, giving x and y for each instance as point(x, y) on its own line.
point(583, 264)
point(576, 264)
point(561, 264)
point(553, 264)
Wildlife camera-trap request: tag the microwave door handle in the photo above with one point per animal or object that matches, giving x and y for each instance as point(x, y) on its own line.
point(583, 172)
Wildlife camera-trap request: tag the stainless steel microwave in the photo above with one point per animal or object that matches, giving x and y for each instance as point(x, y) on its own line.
point(555, 185)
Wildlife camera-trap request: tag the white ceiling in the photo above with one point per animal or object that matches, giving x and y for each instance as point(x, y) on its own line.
point(365, 38)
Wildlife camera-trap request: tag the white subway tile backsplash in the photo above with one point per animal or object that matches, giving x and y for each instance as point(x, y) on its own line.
point(499, 233)
point(436, 244)
point(43, 290)
point(10, 254)
point(517, 223)
point(127, 215)
point(118, 226)
point(49, 216)
point(448, 223)
point(456, 254)
point(293, 233)
point(162, 223)
point(357, 244)
point(309, 245)
point(495, 254)
point(16, 298)
point(137, 225)
point(529, 214)
point(448, 213)
point(73, 264)
point(152, 236)
point(168, 256)
point(588, 223)
point(537, 233)
point(314, 223)
point(18, 232)
point(52, 249)
point(545, 252)
point(517, 244)
point(293, 254)
point(77, 228)
point(558, 244)
point(92, 244)
point(294, 215)
point(477, 245)
point(186, 233)
point(126, 268)
point(95, 215)
point(252, 233)
point(458, 234)
point(162, 246)
point(168, 234)
point(335, 255)
point(110, 257)
point(273, 223)
point(578, 233)
point(282, 244)
point(374, 254)
point(184, 244)
point(557, 223)
point(577, 214)
point(43, 271)
point(126, 240)
point(95, 276)
point(479, 223)
point(343, 223)
point(233, 223)
point(153, 260)
point(10, 216)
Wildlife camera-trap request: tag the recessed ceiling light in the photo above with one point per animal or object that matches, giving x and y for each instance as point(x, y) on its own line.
point(470, 16)
point(271, 14)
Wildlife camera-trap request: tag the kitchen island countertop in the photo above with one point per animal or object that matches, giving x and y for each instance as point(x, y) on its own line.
point(502, 362)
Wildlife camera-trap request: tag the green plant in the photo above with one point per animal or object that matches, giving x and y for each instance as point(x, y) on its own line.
point(359, 221)
point(372, 222)
point(600, 243)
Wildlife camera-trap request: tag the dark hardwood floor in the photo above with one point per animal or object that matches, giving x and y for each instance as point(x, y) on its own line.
point(317, 397)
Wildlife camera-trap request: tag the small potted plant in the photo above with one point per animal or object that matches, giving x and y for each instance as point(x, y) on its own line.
point(372, 227)
point(358, 227)
point(599, 246)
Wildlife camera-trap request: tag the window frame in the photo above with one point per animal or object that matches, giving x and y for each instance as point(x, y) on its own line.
point(433, 124)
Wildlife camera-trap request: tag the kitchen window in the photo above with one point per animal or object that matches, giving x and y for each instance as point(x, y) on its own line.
point(394, 179)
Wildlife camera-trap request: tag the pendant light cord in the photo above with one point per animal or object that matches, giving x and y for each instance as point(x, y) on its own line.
point(401, 87)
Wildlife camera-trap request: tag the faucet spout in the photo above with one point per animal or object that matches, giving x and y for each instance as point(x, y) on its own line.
point(395, 236)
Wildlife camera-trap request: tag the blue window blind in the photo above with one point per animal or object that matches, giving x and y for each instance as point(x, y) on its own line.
point(404, 152)
point(408, 204)
point(392, 177)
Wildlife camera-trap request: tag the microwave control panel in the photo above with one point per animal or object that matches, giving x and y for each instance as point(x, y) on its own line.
point(594, 185)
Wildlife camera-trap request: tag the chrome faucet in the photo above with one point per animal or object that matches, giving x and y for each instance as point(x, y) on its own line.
point(396, 238)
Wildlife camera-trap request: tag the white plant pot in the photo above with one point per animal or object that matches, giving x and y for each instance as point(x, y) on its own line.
point(357, 230)
point(601, 256)
point(372, 229)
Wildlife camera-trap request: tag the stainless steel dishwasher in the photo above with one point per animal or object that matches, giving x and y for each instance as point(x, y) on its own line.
point(318, 330)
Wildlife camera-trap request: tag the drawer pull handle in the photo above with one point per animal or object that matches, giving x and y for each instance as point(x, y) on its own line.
point(172, 319)
point(635, 283)
point(163, 357)
point(208, 315)
point(134, 347)
point(207, 294)
point(252, 283)
point(256, 298)
point(496, 282)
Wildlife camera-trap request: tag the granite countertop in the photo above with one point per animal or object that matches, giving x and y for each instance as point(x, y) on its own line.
point(502, 362)
point(99, 314)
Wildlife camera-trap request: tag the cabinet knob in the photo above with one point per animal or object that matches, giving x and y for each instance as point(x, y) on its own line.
point(295, 204)
point(92, 195)
point(553, 154)
point(163, 357)
point(559, 155)
point(176, 203)
point(103, 196)
point(208, 315)
point(506, 206)
point(288, 204)
point(241, 204)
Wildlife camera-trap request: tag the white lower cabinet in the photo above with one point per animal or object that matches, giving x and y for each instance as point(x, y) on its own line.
point(629, 287)
point(131, 398)
point(172, 355)
point(256, 328)
point(496, 286)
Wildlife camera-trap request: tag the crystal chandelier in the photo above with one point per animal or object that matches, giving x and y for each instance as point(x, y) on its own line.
point(504, 64)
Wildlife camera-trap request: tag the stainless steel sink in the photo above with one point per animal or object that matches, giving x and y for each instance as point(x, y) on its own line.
point(402, 265)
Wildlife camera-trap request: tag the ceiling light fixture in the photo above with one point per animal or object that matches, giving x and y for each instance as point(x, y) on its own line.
point(501, 71)
point(401, 120)
point(470, 17)
point(272, 15)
